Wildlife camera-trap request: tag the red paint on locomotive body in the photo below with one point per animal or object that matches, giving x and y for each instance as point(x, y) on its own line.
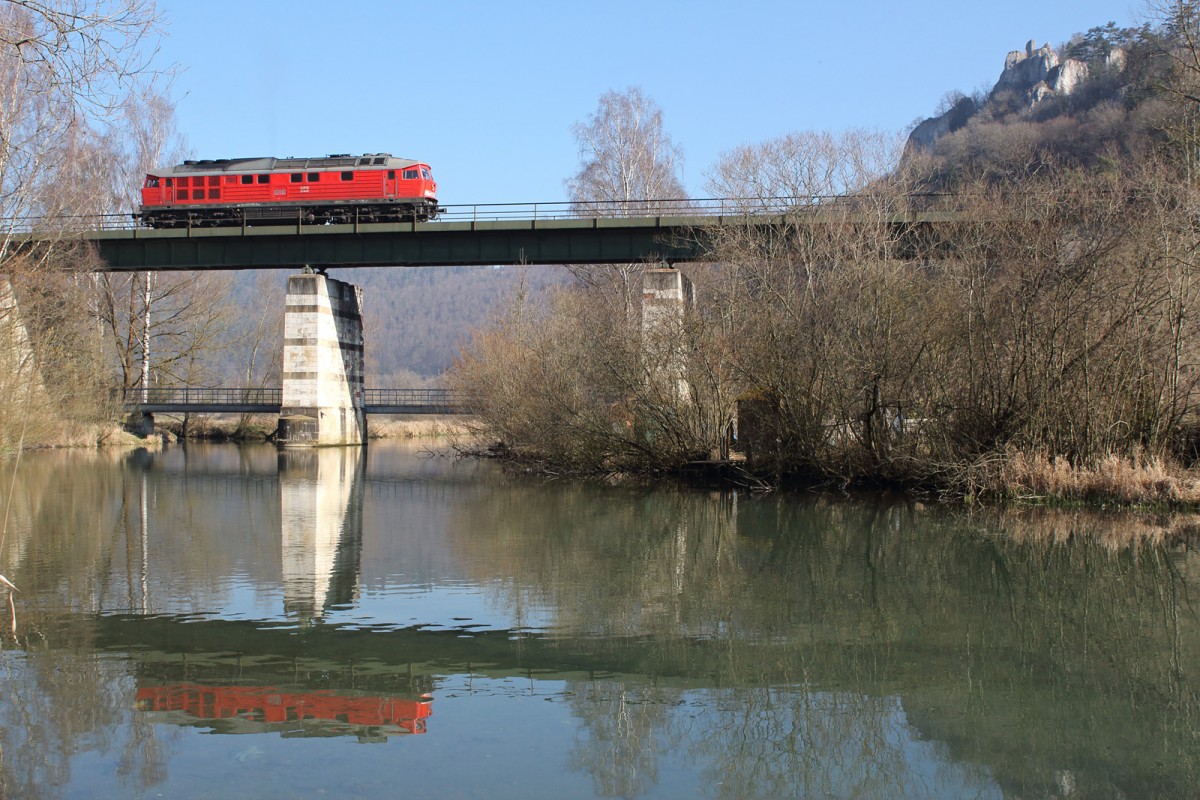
point(376, 187)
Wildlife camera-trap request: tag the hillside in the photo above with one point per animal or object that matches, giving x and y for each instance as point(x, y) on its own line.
point(416, 319)
point(1089, 103)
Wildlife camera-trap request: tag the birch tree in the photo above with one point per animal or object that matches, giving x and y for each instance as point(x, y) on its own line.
point(66, 67)
point(629, 166)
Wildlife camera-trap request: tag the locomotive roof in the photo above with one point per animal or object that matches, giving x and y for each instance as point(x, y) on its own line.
point(268, 164)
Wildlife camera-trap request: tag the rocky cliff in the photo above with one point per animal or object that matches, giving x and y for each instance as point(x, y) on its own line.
point(1029, 78)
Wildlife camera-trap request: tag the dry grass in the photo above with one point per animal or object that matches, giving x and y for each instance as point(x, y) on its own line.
point(1115, 479)
point(91, 436)
point(419, 427)
point(1114, 530)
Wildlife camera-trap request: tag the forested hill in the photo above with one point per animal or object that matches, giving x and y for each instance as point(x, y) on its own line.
point(417, 319)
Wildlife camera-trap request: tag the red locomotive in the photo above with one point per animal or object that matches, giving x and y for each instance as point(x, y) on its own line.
point(376, 187)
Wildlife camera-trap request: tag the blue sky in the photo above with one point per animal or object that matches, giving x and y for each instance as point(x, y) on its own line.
point(486, 92)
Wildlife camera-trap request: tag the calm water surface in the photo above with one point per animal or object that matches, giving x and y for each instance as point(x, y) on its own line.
point(217, 622)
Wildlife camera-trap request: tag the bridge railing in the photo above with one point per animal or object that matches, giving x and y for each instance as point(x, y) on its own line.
point(414, 397)
point(196, 395)
point(209, 397)
point(499, 212)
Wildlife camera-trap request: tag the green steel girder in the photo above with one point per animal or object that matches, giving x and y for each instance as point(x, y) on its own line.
point(557, 241)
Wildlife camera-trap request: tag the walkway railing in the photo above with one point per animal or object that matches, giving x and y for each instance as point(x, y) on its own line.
point(269, 400)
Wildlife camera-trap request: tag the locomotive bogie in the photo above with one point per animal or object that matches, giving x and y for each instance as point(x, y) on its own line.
point(335, 189)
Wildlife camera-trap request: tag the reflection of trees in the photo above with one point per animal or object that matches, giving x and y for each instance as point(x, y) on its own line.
point(103, 531)
point(792, 645)
point(57, 704)
point(117, 532)
point(622, 734)
point(1025, 642)
point(799, 743)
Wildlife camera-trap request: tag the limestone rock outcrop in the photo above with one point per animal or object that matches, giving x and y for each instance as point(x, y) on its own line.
point(1031, 75)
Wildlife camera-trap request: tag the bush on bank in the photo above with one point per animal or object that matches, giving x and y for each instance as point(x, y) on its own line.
point(1049, 327)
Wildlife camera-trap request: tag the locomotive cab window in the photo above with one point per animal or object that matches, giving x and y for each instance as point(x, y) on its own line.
point(151, 182)
point(410, 174)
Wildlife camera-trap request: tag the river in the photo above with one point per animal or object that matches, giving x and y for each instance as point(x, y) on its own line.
point(218, 621)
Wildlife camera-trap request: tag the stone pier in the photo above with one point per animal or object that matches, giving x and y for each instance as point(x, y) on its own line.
point(322, 364)
point(666, 297)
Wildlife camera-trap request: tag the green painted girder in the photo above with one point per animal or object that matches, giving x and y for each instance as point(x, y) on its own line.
point(601, 240)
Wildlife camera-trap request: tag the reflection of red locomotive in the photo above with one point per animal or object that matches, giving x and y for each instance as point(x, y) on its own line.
point(260, 708)
point(376, 187)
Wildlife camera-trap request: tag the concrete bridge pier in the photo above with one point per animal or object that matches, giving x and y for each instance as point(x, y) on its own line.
point(20, 376)
point(322, 364)
point(666, 297)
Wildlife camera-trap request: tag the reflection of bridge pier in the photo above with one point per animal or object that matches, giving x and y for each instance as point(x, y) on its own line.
point(320, 496)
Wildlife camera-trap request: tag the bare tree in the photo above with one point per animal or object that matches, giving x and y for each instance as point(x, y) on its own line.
point(65, 69)
point(804, 167)
point(629, 167)
point(628, 160)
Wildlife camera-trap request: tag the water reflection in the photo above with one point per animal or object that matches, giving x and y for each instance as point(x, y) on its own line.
point(270, 709)
point(320, 500)
point(688, 642)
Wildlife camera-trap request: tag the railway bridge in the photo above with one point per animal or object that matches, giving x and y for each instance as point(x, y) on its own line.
point(323, 399)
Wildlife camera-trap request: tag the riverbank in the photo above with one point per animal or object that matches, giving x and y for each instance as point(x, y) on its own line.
point(257, 428)
point(1011, 478)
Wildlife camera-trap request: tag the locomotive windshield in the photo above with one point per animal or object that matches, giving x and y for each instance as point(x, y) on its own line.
point(426, 174)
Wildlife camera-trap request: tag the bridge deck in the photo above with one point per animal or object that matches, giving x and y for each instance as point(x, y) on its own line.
point(409, 244)
point(654, 231)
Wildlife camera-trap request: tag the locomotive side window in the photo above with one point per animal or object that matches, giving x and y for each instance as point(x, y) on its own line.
point(410, 174)
point(264, 178)
point(247, 179)
point(314, 177)
point(347, 176)
point(297, 177)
